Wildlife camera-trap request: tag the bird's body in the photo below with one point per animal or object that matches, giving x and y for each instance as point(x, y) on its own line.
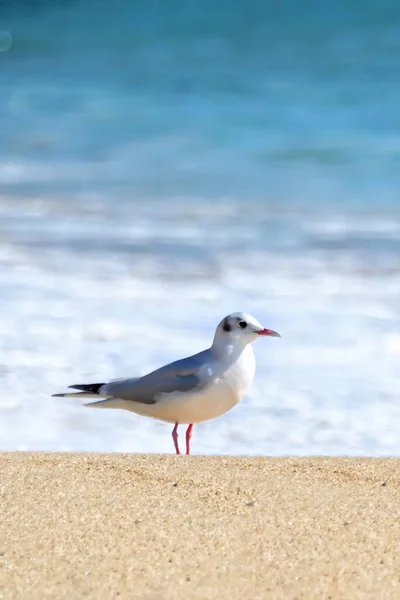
point(226, 386)
point(191, 390)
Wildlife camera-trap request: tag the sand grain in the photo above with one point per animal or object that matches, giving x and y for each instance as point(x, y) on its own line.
point(167, 527)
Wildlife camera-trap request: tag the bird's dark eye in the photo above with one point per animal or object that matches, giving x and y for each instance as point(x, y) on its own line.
point(242, 324)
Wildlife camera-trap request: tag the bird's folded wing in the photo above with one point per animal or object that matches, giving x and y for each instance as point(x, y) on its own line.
point(150, 389)
point(185, 375)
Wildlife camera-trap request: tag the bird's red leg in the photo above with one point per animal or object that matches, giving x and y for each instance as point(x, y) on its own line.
point(188, 436)
point(175, 438)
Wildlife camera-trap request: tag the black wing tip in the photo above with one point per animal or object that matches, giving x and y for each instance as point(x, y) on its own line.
point(88, 387)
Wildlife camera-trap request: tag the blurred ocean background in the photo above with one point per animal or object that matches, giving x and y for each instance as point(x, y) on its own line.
point(165, 163)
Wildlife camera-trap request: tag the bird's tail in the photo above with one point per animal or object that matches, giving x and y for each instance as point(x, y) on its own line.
point(91, 390)
point(107, 403)
point(88, 390)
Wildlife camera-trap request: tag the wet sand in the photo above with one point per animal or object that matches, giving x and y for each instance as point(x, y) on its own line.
point(168, 528)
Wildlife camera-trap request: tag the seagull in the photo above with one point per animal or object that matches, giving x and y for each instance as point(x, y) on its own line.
point(191, 390)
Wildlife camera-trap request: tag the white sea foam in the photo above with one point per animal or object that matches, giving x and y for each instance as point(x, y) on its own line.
point(92, 298)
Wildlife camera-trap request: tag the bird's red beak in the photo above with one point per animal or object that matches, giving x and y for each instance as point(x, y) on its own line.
point(269, 332)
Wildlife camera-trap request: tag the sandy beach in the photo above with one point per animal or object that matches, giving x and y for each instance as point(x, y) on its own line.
point(166, 527)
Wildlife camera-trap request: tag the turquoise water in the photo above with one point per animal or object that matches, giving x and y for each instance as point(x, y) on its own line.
point(289, 101)
point(163, 164)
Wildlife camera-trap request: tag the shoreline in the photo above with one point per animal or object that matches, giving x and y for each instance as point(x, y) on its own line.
point(163, 527)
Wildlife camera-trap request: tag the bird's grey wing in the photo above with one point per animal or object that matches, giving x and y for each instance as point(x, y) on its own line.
point(181, 376)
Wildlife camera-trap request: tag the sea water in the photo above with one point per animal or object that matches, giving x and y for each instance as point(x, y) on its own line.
point(164, 164)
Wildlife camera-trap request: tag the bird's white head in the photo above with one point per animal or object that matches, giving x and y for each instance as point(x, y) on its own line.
point(241, 327)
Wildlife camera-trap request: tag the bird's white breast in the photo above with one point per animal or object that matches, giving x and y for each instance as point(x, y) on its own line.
point(239, 376)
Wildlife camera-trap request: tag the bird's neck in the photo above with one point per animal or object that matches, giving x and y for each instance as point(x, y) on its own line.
point(229, 350)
